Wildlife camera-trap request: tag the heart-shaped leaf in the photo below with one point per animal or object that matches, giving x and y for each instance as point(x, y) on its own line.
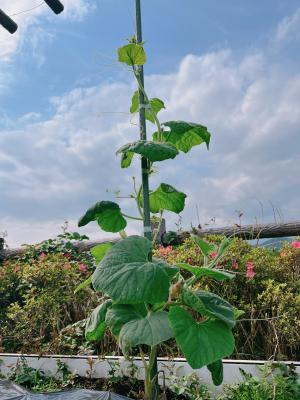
point(216, 370)
point(95, 325)
point(166, 197)
point(185, 135)
point(132, 54)
point(128, 277)
point(155, 104)
point(217, 274)
point(209, 304)
point(107, 214)
point(119, 314)
point(150, 330)
point(153, 151)
point(201, 343)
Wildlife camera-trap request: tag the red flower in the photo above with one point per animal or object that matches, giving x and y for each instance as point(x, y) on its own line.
point(250, 273)
point(235, 265)
point(82, 267)
point(213, 254)
point(296, 244)
point(163, 251)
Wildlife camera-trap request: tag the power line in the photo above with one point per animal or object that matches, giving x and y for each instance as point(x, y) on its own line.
point(26, 11)
point(9, 24)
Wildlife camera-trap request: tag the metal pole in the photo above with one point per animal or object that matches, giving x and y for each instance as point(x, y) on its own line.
point(143, 134)
point(145, 173)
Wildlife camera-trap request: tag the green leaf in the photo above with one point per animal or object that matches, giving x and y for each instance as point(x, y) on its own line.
point(134, 102)
point(150, 330)
point(185, 135)
point(84, 284)
point(209, 304)
point(238, 313)
point(99, 251)
point(206, 248)
point(95, 325)
point(127, 275)
point(132, 54)
point(201, 343)
point(166, 197)
point(222, 249)
point(126, 159)
point(153, 151)
point(119, 314)
point(216, 370)
point(155, 104)
point(107, 214)
point(217, 274)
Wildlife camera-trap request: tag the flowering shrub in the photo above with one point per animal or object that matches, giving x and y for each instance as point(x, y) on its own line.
point(37, 300)
point(266, 288)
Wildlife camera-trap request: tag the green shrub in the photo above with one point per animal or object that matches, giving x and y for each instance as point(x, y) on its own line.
point(37, 300)
point(270, 325)
point(277, 383)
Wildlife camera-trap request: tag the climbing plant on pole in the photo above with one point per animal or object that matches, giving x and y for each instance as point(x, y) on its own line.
point(147, 300)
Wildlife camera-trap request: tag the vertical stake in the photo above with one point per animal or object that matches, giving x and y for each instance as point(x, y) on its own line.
point(145, 175)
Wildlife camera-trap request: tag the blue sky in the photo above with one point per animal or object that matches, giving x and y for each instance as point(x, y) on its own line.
point(231, 65)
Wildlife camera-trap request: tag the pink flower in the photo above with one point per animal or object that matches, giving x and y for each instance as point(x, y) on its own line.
point(250, 273)
point(213, 254)
point(163, 251)
point(82, 267)
point(42, 256)
point(235, 265)
point(296, 244)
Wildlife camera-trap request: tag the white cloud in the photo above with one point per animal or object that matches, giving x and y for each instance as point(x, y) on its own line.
point(52, 170)
point(289, 28)
point(9, 44)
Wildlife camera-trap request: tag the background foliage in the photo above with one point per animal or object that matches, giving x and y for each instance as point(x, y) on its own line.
point(39, 311)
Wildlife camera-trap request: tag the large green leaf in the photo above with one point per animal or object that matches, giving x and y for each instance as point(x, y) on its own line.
point(216, 370)
point(150, 330)
point(128, 277)
point(166, 197)
point(185, 135)
point(209, 304)
point(153, 151)
point(205, 247)
point(95, 325)
point(99, 251)
point(155, 104)
point(107, 214)
point(201, 343)
point(132, 54)
point(119, 314)
point(217, 274)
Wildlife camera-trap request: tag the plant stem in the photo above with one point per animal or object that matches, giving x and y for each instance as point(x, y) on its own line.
point(141, 87)
point(130, 217)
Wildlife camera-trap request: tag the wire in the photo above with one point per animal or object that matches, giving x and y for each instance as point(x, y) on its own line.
point(28, 10)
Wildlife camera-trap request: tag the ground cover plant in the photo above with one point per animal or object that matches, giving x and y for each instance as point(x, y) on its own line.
point(149, 301)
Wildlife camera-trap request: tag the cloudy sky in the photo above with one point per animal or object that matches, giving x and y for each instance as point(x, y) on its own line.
point(231, 65)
